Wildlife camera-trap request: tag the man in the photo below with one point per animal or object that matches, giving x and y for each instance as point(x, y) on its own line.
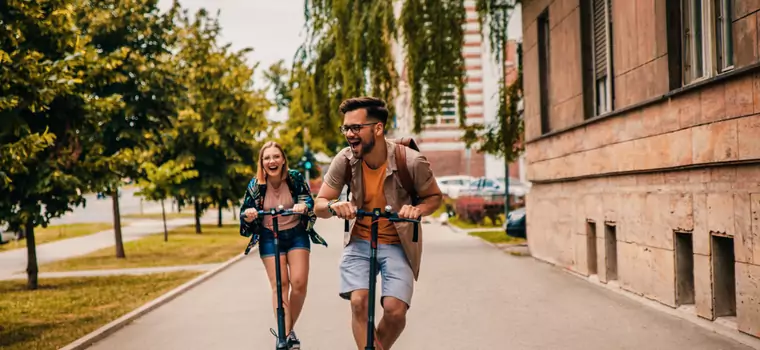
point(375, 184)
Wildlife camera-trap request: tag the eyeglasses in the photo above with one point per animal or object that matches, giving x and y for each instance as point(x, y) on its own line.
point(355, 128)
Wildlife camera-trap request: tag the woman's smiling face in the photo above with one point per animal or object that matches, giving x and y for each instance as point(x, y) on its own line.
point(272, 161)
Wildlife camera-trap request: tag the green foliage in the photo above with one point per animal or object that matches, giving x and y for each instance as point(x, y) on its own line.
point(504, 138)
point(216, 128)
point(47, 110)
point(433, 40)
point(137, 38)
point(160, 180)
point(348, 53)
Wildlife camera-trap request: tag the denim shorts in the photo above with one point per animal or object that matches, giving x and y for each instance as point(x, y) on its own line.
point(290, 239)
point(396, 275)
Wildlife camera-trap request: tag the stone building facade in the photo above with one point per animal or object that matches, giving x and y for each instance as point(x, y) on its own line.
point(642, 123)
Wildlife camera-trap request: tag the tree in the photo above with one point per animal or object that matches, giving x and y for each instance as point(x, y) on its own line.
point(159, 181)
point(293, 134)
point(47, 115)
point(220, 119)
point(504, 137)
point(137, 37)
point(347, 54)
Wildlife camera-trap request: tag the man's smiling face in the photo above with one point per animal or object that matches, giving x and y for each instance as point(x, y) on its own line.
point(361, 132)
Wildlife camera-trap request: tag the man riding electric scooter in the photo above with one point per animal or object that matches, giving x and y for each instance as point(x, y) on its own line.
point(379, 173)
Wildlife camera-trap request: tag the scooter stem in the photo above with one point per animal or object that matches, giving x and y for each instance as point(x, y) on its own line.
point(281, 343)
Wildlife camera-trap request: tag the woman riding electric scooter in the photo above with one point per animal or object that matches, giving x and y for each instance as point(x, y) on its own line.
point(275, 185)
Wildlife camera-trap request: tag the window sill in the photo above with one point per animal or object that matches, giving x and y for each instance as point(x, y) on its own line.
point(670, 94)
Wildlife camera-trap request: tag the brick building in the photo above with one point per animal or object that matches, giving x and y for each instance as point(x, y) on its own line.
point(643, 146)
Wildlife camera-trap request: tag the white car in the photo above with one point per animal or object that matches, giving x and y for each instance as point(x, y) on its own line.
point(451, 185)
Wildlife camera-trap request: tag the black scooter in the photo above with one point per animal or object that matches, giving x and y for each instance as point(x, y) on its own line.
point(282, 343)
point(376, 215)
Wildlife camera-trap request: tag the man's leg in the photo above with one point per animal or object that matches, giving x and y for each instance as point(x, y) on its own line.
point(359, 305)
point(393, 321)
point(398, 287)
point(354, 286)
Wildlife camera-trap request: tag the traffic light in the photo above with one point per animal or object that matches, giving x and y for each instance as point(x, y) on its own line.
point(306, 160)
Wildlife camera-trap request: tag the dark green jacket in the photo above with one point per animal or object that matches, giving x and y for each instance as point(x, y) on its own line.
point(254, 198)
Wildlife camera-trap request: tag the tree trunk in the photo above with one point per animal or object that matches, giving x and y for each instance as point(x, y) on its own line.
point(117, 224)
point(31, 256)
point(219, 219)
point(506, 190)
point(163, 214)
point(197, 216)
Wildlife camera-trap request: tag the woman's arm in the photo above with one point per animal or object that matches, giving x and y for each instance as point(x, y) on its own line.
point(248, 228)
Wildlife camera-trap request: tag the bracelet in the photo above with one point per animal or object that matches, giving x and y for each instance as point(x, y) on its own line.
point(329, 206)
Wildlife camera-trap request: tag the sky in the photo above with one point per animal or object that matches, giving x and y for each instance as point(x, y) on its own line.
point(272, 28)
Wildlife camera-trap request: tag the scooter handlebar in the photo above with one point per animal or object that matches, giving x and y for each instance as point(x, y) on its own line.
point(391, 216)
point(279, 211)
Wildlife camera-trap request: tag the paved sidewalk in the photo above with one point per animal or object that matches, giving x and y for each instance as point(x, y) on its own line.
point(470, 296)
point(14, 261)
point(112, 272)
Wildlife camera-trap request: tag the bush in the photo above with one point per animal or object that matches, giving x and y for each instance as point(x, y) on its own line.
point(475, 209)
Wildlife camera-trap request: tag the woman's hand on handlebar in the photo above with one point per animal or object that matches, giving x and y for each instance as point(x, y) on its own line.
point(299, 208)
point(344, 210)
point(251, 214)
point(409, 212)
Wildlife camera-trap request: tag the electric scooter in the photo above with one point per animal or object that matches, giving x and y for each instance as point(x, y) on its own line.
point(282, 343)
point(377, 215)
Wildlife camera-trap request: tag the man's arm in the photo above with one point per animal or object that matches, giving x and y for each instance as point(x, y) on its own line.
point(427, 188)
point(332, 185)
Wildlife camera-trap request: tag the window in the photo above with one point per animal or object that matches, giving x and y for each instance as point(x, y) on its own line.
point(723, 33)
point(602, 34)
point(543, 68)
point(448, 115)
point(707, 38)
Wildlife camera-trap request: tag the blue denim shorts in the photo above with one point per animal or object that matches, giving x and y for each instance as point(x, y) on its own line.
point(293, 238)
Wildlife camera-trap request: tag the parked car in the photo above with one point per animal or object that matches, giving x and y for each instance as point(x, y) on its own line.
point(515, 224)
point(451, 185)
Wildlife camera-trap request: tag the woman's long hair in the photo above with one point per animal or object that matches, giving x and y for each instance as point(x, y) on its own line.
point(261, 175)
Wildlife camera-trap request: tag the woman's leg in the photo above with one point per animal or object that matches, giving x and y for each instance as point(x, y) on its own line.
point(269, 264)
point(298, 259)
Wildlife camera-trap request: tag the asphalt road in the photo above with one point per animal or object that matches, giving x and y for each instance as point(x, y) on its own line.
point(470, 296)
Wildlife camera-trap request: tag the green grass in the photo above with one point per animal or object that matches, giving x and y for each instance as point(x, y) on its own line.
point(456, 221)
point(65, 309)
point(58, 232)
point(496, 237)
point(157, 216)
point(185, 247)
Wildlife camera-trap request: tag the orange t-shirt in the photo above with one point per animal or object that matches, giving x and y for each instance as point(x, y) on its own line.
point(374, 197)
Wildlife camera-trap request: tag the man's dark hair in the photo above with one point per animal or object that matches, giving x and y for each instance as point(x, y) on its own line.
point(375, 107)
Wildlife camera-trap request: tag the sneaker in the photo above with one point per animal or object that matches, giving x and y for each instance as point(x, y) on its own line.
point(277, 339)
point(293, 342)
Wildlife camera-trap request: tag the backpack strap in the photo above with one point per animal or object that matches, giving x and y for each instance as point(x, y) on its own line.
point(403, 172)
point(347, 179)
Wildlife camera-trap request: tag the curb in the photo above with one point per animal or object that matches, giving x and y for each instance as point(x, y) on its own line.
point(110, 328)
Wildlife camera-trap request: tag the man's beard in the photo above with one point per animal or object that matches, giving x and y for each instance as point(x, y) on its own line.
point(366, 148)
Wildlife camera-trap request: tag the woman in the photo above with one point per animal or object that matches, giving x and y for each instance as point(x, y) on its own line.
point(276, 185)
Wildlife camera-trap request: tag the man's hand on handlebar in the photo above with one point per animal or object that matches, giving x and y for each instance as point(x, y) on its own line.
point(409, 212)
point(250, 214)
point(344, 210)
